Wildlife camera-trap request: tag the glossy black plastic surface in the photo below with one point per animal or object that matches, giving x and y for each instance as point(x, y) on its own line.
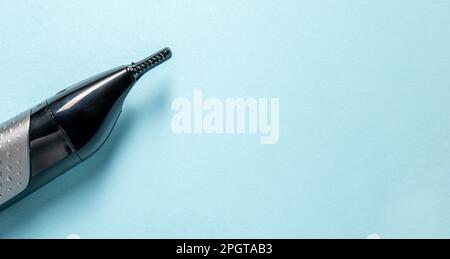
point(88, 111)
point(76, 122)
point(48, 141)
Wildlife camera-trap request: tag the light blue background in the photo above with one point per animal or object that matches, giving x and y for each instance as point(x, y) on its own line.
point(364, 90)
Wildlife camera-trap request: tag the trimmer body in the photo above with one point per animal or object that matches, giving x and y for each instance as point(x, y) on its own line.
point(46, 141)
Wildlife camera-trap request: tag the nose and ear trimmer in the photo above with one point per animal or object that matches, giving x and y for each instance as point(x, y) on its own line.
point(44, 142)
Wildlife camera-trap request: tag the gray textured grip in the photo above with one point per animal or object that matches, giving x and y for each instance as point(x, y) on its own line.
point(14, 156)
